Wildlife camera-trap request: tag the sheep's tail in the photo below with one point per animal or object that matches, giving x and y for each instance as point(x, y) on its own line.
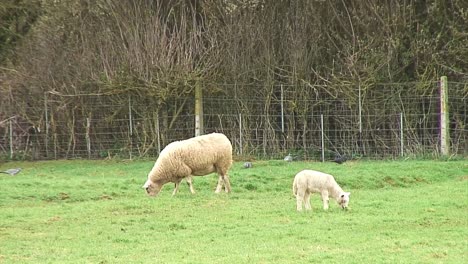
point(294, 187)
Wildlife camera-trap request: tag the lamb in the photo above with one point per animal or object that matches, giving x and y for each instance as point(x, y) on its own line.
point(307, 182)
point(196, 156)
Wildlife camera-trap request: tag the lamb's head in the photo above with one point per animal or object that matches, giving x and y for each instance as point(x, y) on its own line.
point(343, 199)
point(152, 188)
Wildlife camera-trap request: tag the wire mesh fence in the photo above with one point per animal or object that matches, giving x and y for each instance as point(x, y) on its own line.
point(310, 122)
point(385, 122)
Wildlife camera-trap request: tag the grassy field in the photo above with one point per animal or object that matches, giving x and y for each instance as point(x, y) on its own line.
point(96, 212)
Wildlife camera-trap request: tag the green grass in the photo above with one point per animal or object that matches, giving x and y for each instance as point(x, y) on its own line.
point(96, 212)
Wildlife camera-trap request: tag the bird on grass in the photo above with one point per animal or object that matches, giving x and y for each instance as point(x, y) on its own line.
point(248, 165)
point(340, 159)
point(12, 171)
point(288, 158)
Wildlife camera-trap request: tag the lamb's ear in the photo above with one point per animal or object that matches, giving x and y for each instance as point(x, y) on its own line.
point(343, 194)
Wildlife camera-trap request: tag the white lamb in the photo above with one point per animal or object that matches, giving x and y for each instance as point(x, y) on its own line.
point(307, 182)
point(196, 156)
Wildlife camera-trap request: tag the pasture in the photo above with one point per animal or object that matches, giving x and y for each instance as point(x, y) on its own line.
point(96, 212)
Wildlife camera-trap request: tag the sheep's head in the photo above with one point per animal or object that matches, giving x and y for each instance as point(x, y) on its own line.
point(152, 188)
point(343, 200)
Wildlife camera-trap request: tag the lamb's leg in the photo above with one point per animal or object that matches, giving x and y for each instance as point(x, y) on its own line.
point(307, 201)
point(299, 199)
point(190, 184)
point(325, 199)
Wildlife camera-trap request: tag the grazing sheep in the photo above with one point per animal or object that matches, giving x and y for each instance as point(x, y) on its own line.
point(196, 156)
point(307, 182)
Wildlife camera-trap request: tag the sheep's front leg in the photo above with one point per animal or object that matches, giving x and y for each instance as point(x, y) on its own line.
point(190, 184)
point(176, 188)
point(325, 199)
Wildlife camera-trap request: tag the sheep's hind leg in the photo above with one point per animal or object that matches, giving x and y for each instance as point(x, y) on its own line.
point(223, 180)
point(227, 183)
point(220, 184)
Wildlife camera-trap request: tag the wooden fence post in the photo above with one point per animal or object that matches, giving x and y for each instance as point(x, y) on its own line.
point(158, 132)
point(11, 138)
point(282, 110)
point(88, 137)
point(323, 137)
point(402, 145)
point(444, 118)
point(46, 114)
point(240, 135)
point(130, 125)
point(198, 110)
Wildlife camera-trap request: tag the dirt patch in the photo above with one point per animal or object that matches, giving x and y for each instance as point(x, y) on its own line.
point(63, 196)
point(390, 181)
point(54, 219)
point(419, 179)
point(105, 197)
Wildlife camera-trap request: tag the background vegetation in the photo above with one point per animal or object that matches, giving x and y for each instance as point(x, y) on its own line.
point(96, 212)
point(162, 48)
point(157, 52)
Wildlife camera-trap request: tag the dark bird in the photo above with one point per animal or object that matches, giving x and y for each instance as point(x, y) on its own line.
point(11, 171)
point(340, 159)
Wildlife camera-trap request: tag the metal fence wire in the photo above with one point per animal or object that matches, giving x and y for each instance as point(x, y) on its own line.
point(309, 122)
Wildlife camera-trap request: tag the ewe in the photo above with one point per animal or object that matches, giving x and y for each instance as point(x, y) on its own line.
point(196, 156)
point(307, 182)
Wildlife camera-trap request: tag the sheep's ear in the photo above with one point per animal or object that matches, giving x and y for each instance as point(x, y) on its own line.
point(146, 185)
point(348, 193)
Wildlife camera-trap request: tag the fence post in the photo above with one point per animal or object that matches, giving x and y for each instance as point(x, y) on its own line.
point(130, 124)
point(158, 132)
point(360, 110)
point(11, 138)
point(240, 134)
point(361, 144)
point(282, 109)
point(323, 142)
point(402, 150)
point(444, 117)
point(46, 113)
point(88, 138)
point(198, 110)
